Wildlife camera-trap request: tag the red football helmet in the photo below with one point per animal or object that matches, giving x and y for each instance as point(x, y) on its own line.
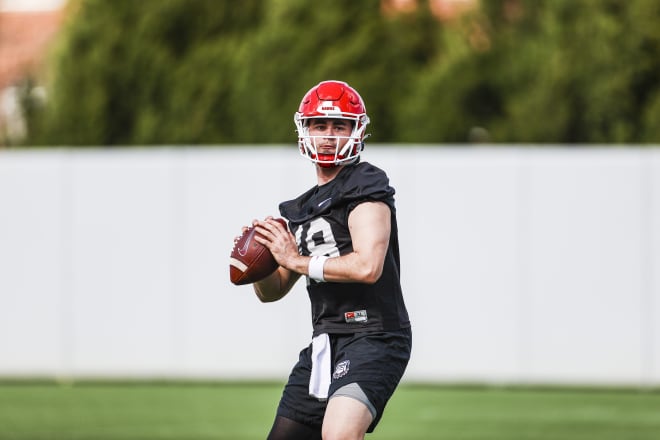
point(332, 99)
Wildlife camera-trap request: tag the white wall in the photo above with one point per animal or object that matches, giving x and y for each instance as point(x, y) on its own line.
point(519, 264)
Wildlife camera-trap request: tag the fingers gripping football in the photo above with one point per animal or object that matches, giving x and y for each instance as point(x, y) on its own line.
point(278, 240)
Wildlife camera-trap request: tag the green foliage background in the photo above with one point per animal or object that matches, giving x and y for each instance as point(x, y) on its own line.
point(156, 72)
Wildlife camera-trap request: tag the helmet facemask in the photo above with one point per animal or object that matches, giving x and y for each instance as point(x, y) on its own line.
point(347, 153)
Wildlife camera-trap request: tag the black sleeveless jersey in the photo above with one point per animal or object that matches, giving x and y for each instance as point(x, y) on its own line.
point(319, 221)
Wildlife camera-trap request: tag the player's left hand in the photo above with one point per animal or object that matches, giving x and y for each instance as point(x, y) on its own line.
point(278, 239)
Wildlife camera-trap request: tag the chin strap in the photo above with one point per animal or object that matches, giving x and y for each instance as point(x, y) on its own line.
point(328, 161)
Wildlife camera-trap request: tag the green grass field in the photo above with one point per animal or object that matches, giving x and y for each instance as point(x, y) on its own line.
point(242, 411)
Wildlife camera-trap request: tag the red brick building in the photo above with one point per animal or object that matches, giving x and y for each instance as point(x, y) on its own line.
point(24, 40)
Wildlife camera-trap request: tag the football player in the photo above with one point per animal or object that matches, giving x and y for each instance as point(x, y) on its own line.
point(343, 239)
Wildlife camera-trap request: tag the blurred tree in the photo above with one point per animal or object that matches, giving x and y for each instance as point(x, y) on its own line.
point(147, 72)
point(300, 46)
point(582, 92)
point(209, 71)
point(643, 17)
point(220, 71)
point(546, 71)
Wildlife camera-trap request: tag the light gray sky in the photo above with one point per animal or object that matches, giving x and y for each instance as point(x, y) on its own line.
point(30, 5)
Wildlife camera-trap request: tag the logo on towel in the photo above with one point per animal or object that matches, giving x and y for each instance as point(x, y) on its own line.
point(341, 369)
point(356, 316)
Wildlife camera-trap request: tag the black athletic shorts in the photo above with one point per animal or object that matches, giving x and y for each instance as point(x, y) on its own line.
point(375, 361)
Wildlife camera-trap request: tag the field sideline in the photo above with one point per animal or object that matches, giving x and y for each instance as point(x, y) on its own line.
point(97, 410)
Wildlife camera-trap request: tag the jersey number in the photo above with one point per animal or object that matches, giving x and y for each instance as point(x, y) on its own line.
point(318, 239)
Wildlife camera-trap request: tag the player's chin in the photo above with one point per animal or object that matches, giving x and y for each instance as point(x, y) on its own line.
point(327, 151)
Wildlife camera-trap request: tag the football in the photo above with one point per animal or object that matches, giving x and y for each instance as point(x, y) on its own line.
point(251, 261)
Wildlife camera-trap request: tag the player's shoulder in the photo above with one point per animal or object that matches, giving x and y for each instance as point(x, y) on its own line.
point(366, 180)
point(353, 185)
point(366, 170)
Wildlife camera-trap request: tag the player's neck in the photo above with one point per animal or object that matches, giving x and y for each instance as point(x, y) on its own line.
point(325, 175)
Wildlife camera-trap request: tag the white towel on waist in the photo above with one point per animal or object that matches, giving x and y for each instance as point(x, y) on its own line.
point(319, 380)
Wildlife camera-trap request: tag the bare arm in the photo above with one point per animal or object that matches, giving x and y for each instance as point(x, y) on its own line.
point(282, 245)
point(369, 225)
point(276, 285)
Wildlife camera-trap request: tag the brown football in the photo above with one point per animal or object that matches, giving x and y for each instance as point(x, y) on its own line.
point(251, 261)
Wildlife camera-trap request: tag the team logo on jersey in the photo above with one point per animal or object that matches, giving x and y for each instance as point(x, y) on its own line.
point(356, 316)
point(341, 369)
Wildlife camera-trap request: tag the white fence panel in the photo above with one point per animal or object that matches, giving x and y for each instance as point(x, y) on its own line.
point(518, 264)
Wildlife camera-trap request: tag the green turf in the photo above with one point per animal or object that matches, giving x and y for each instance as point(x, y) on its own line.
point(242, 411)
